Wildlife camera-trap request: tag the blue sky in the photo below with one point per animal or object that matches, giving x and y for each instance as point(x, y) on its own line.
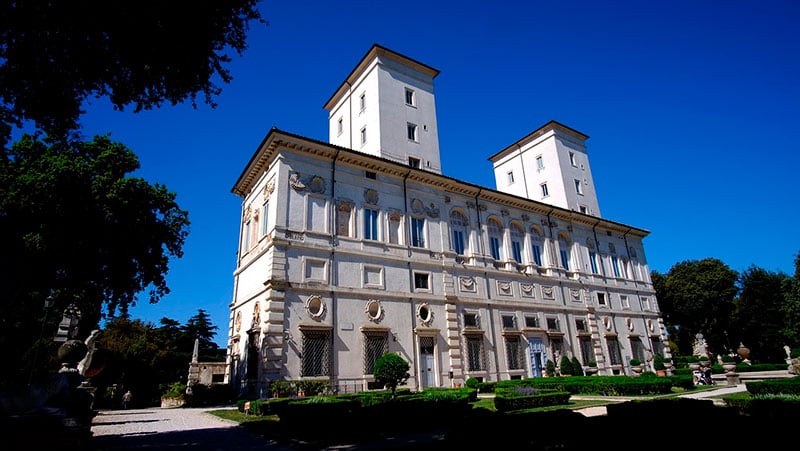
point(692, 109)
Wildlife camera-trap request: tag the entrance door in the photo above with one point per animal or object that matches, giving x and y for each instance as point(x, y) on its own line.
point(426, 361)
point(538, 356)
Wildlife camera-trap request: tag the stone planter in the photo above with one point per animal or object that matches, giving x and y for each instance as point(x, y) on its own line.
point(168, 403)
point(729, 367)
point(637, 369)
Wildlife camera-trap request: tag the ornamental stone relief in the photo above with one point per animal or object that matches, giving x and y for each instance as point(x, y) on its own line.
point(526, 289)
point(467, 283)
point(575, 293)
point(548, 293)
point(504, 287)
point(371, 196)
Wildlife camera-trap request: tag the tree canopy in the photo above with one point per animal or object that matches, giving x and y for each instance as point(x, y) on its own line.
point(391, 370)
point(55, 55)
point(75, 227)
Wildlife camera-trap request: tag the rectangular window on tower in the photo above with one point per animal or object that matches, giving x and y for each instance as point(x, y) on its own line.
point(411, 99)
point(339, 126)
point(572, 159)
point(413, 162)
point(363, 136)
point(412, 132)
point(539, 163)
point(362, 102)
point(545, 192)
point(578, 187)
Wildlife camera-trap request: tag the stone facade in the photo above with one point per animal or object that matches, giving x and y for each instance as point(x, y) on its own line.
point(345, 256)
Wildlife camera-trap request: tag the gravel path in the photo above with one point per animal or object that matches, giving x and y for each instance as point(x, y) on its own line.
point(174, 429)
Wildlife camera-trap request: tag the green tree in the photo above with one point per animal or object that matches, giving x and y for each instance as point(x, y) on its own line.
point(790, 307)
point(391, 370)
point(77, 229)
point(55, 55)
point(200, 327)
point(565, 366)
point(760, 319)
point(696, 296)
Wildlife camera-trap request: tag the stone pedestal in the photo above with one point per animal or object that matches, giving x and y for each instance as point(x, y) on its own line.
point(732, 378)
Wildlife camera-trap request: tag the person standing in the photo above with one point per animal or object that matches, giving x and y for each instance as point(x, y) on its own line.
point(126, 399)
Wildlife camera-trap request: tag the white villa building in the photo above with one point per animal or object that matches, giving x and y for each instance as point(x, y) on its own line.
point(360, 246)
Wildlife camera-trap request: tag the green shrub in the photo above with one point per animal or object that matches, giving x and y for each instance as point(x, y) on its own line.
point(635, 362)
point(472, 382)
point(577, 368)
point(550, 367)
point(565, 366)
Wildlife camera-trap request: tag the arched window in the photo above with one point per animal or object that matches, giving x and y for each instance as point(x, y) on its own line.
point(458, 225)
point(495, 238)
point(564, 250)
point(517, 235)
point(536, 245)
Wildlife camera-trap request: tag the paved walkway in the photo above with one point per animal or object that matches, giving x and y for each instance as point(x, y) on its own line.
point(174, 429)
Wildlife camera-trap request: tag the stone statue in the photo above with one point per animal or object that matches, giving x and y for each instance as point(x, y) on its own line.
point(86, 362)
point(788, 351)
point(700, 347)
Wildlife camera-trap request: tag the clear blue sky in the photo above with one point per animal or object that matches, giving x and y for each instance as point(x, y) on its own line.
point(692, 108)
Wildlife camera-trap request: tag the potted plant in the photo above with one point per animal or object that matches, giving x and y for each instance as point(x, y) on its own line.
point(704, 361)
point(636, 365)
point(591, 367)
point(728, 363)
point(693, 362)
point(658, 365)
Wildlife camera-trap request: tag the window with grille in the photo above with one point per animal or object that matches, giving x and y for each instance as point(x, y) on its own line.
point(376, 344)
point(509, 322)
point(587, 350)
point(614, 354)
point(421, 281)
point(552, 324)
point(514, 353)
point(532, 321)
point(601, 299)
point(580, 325)
point(316, 356)
point(637, 349)
point(471, 320)
point(475, 353)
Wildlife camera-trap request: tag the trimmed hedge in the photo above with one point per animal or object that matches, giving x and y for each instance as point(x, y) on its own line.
point(508, 399)
point(786, 386)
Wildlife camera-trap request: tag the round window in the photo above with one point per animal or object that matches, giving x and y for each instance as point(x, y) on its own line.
point(374, 309)
point(424, 313)
point(315, 307)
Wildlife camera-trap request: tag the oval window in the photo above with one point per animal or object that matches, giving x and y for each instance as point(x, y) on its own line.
point(424, 313)
point(315, 307)
point(374, 309)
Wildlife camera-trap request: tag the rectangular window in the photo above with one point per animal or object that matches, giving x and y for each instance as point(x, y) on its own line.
point(532, 321)
point(587, 350)
point(509, 322)
point(375, 346)
point(413, 162)
point(475, 353)
point(363, 136)
point(246, 237)
point(537, 254)
point(572, 159)
point(552, 323)
point(580, 325)
point(583, 209)
point(265, 218)
point(593, 261)
point(545, 192)
point(578, 187)
point(418, 232)
point(410, 97)
point(539, 163)
point(494, 245)
point(412, 132)
point(340, 126)
point(624, 302)
point(514, 353)
point(510, 178)
point(471, 320)
point(362, 102)
point(614, 354)
point(516, 249)
point(370, 224)
point(565, 259)
point(371, 175)
point(601, 299)
point(316, 214)
point(615, 265)
point(316, 355)
point(394, 229)
point(343, 219)
point(645, 304)
point(421, 280)
point(458, 241)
